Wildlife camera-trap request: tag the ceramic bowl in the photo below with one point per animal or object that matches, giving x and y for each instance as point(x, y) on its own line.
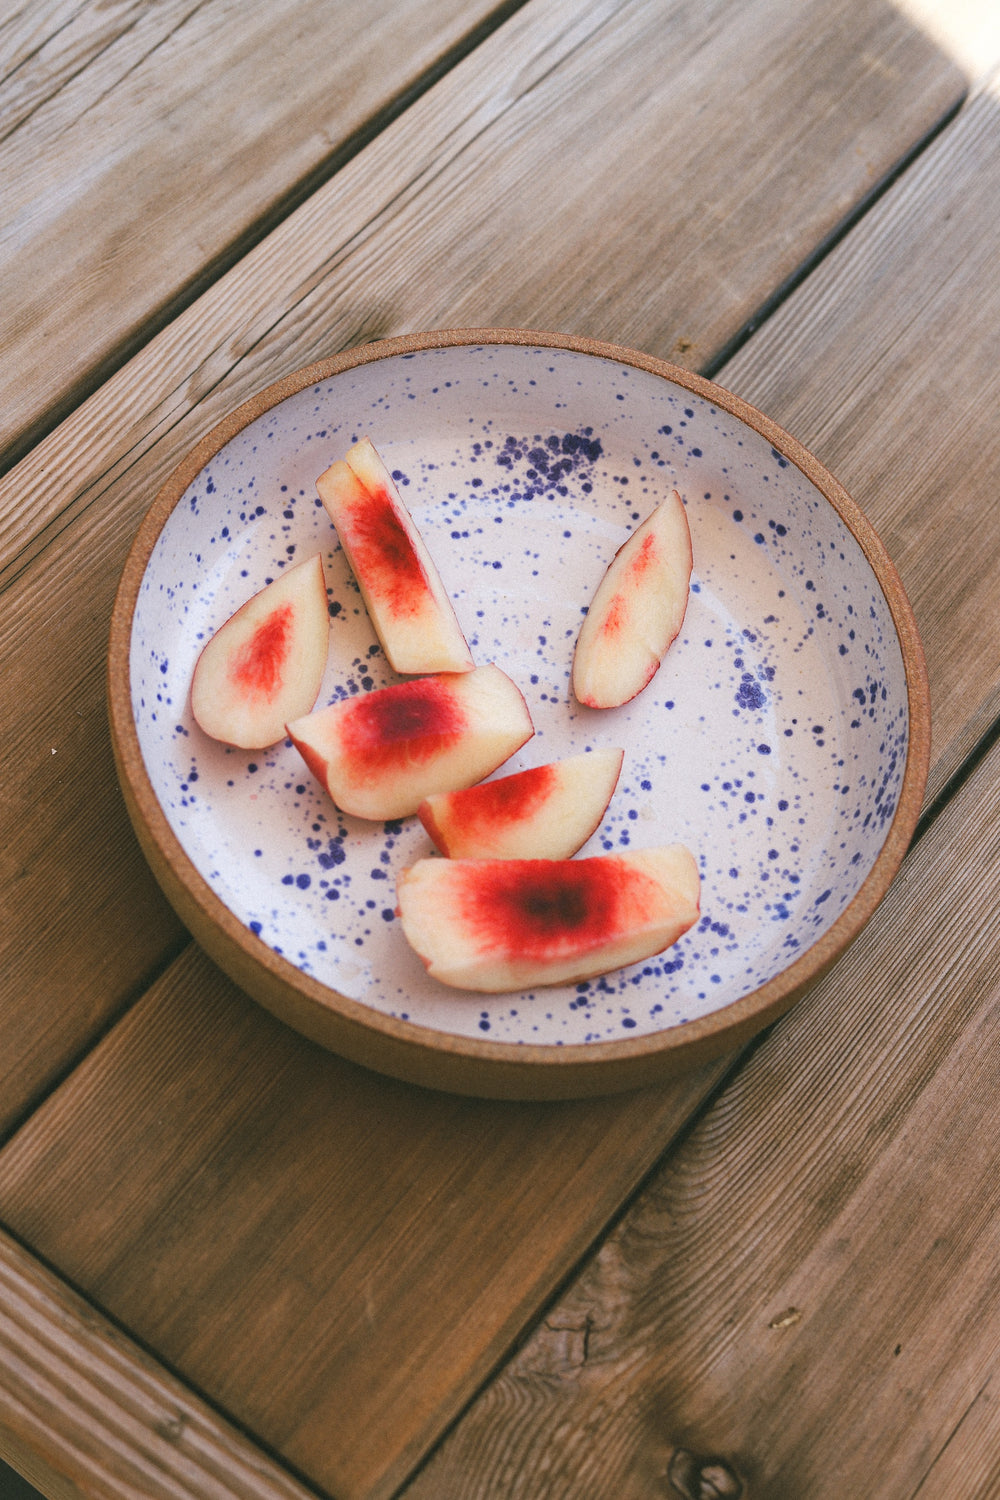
point(784, 739)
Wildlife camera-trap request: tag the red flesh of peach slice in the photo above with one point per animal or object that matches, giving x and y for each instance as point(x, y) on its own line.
point(408, 604)
point(546, 812)
point(637, 611)
point(497, 925)
point(265, 664)
point(380, 754)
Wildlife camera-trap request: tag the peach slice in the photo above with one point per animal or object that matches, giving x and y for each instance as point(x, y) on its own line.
point(546, 812)
point(265, 664)
point(408, 604)
point(637, 610)
point(497, 925)
point(380, 754)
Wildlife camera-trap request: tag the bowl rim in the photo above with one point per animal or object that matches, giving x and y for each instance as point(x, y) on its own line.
point(407, 1049)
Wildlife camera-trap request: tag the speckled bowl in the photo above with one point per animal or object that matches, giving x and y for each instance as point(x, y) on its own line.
point(784, 740)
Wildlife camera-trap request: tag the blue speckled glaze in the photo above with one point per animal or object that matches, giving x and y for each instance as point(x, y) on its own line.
point(772, 741)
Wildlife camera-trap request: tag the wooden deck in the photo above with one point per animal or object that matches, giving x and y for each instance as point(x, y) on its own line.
point(234, 1265)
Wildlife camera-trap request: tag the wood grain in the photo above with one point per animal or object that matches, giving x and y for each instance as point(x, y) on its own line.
point(142, 147)
point(968, 1463)
point(806, 1293)
point(871, 363)
point(284, 1229)
point(288, 1230)
point(461, 210)
point(45, 44)
point(87, 1415)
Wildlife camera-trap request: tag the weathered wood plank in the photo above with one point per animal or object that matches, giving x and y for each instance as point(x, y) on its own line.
point(968, 1463)
point(242, 1185)
point(291, 1227)
point(141, 146)
point(808, 1289)
point(87, 1414)
point(873, 363)
point(44, 44)
point(463, 210)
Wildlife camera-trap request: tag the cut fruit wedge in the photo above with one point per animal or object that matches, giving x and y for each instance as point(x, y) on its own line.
point(499, 925)
point(637, 611)
point(546, 812)
point(380, 754)
point(409, 607)
point(265, 664)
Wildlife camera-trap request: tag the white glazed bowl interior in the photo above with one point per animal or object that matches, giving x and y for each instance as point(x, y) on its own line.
point(772, 741)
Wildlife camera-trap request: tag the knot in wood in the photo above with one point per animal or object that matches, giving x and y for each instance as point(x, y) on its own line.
point(703, 1478)
point(172, 1428)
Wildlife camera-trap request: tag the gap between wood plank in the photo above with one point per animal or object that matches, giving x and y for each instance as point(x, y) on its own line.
point(953, 1434)
point(217, 267)
point(927, 819)
point(134, 994)
point(268, 221)
point(677, 1142)
point(832, 240)
point(937, 804)
point(158, 1360)
point(956, 780)
point(948, 790)
point(931, 812)
point(220, 264)
point(593, 1249)
point(929, 816)
point(847, 1206)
